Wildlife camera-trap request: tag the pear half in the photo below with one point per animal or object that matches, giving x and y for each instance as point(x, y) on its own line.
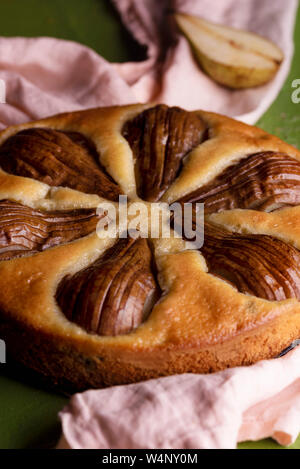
point(232, 57)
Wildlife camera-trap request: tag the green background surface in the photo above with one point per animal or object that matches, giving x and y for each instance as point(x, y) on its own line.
point(28, 414)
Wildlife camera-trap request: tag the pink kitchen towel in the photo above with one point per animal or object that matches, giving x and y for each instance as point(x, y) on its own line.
point(45, 76)
point(190, 411)
point(172, 76)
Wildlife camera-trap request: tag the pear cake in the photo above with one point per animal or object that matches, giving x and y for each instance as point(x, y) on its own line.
point(86, 311)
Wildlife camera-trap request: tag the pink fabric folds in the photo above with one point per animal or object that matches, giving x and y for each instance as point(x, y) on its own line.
point(177, 79)
point(190, 411)
point(46, 76)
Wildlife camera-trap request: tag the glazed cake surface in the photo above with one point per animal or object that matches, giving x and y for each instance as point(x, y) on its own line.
point(89, 311)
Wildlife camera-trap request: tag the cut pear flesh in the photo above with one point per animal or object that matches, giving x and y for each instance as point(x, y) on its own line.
point(232, 57)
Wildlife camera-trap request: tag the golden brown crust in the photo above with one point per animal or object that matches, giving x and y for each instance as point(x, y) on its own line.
point(201, 323)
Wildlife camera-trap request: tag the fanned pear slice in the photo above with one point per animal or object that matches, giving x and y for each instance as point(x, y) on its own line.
point(232, 57)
